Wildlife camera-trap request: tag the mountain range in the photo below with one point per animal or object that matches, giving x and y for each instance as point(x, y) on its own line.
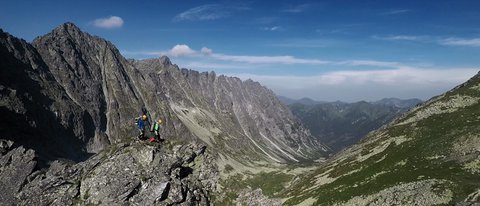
point(70, 96)
point(339, 124)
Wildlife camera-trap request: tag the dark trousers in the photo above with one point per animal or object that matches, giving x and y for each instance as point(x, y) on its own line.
point(157, 135)
point(142, 134)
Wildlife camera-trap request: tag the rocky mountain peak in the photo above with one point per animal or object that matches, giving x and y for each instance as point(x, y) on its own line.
point(68, 27)
point(165, 61)
point(67, 30)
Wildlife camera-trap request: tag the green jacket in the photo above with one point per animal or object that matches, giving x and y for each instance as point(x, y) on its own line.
point(155, 127)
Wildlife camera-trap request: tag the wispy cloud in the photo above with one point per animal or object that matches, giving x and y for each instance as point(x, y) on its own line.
point(182, 50)
point(448, 41)
point(475, 42)
point(108, 23)
point(298, 8)
point(396, 12)
point(365, 84)
point(392, 76)
point(401, 37)
point(209, 12)
point(273, 28)
point(267, 59)
point(373, 63)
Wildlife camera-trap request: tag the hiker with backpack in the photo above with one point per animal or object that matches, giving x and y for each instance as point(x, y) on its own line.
point(141, 123)
point(156, 130)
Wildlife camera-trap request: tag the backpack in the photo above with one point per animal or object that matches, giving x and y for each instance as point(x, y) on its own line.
point(140, 123)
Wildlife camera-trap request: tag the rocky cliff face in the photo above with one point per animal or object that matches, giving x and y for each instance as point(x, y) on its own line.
point(97, 78)
point(94, 94)
point(34, 109)
point(123, 174)
point(69, 95)
point(241, 119)
point(429, 156)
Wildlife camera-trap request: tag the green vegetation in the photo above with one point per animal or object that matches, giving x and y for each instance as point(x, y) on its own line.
point(428, 153)
point(271, 183)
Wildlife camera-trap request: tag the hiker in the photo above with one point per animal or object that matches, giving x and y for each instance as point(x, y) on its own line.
point(141, 123)
point(156, 130)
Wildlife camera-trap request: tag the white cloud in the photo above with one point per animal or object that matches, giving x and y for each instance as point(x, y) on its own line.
point(108, 23)
point(475, 42)
point(401, 37)
point(366, 84)
point(373, 63)
point(267, 59)
point(204, 12)
point(181, 50)
point(206, 51)
point(209, 12)
point(450, 41)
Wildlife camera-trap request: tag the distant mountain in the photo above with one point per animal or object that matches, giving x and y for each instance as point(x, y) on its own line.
point(399, 103)
point(340, 124)
point(286, 100)
point(305, 101)
point(428, 156)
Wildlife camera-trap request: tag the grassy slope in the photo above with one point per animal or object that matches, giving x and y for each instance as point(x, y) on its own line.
point(427, 153)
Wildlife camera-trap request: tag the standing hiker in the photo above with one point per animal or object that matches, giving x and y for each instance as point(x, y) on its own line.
point(141, 123)
point(156, 130)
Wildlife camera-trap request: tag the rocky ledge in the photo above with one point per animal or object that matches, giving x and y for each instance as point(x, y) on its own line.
point(136, 173)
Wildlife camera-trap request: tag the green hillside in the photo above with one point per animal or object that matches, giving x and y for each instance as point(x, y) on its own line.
point(340, 124)
point(430, 156)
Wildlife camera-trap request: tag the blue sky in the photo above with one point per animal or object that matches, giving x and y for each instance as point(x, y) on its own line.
point(325, 50)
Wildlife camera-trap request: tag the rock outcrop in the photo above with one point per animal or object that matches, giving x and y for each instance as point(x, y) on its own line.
point(123, 174)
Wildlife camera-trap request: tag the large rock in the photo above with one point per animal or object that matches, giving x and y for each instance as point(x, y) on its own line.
point(15, 166)
point(117, 176)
